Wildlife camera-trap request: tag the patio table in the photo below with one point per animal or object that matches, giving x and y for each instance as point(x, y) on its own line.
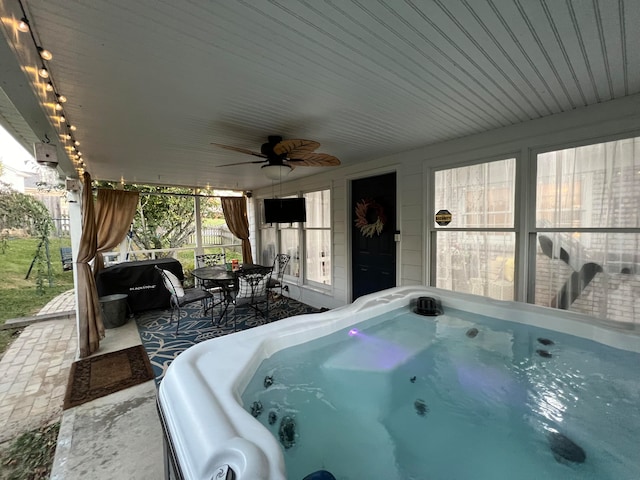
point(225, 279)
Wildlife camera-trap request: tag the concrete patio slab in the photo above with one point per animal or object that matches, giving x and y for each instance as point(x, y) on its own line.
point(117, 436)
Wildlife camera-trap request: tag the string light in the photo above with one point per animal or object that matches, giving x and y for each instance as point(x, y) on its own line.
point(43, 72)
point(44, 53)
point(23, 25)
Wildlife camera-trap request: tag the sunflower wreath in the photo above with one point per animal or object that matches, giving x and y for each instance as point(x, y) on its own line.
point(367, 229)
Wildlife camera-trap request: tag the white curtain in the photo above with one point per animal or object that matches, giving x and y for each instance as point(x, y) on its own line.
point(594, 187)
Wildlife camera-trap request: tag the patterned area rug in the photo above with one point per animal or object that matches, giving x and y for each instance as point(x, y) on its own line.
point(162, 344)
point(95, 377)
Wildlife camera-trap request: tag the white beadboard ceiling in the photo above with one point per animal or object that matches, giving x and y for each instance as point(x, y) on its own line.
point(151, 83)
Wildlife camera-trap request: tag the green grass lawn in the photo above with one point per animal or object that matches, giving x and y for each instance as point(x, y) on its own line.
point(30, 455)
point(19, 297)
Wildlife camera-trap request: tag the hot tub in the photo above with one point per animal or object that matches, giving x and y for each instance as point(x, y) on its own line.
point(210, 430)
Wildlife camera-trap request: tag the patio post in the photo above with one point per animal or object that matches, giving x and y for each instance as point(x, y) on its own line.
point(75, 231)
point(199, 250)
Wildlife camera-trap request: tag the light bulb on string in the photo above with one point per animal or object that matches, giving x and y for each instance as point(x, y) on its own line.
point(76, 143)
point(58, 106)
point(49, 87)
point(23, 25)
point(43, 72)
point(67, 136)
point(72, 127)
point(62, 118)
point(62, 98)
point(45, 54)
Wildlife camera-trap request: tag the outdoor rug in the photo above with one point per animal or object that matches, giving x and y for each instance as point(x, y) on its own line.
point(95, 377)
point(162, 344)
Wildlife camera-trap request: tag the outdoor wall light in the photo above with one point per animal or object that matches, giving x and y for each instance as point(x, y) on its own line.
point(276, 172)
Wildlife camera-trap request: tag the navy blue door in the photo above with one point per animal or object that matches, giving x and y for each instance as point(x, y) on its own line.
point(373, 249)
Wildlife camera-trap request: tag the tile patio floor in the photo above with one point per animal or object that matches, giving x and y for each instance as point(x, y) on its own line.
point(117, 436)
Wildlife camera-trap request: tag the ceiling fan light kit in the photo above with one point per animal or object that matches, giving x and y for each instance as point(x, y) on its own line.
point(276, 172)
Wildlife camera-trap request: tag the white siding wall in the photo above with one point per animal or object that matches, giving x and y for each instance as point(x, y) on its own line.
point(595, 123)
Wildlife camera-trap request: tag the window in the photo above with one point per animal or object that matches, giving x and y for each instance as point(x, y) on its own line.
point(290, 244)
point(587, 229)
point(310, 241)
point(267, 244)
point(317, 235)
point(476, 251)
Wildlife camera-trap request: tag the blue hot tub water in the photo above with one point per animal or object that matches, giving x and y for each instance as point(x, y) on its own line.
point(411, 397)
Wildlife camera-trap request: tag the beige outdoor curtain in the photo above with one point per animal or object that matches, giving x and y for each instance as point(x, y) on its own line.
point(114, 213)
point(235, 214)
point(90, 327)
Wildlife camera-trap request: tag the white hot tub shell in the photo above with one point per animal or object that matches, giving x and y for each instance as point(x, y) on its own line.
point(207, 430)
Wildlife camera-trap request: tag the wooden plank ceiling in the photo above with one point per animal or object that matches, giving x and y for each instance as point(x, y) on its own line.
point(151, 83)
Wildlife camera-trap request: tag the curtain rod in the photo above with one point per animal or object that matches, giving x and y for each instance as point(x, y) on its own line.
point(185, 194)
point(172, 194)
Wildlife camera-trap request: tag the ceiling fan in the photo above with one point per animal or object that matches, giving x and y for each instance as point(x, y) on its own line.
point(284, 155)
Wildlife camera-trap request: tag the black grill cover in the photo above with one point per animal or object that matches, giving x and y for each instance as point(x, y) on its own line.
point(140, 281)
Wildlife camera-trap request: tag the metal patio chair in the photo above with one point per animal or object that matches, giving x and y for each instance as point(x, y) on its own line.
point(252, 290)
point(276, 281)
point(210, 260)
point(182, 296)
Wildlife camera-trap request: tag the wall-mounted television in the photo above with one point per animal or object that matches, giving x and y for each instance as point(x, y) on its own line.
point(285, 210)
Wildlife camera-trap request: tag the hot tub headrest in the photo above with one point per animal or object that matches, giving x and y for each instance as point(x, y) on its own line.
point(428, 306)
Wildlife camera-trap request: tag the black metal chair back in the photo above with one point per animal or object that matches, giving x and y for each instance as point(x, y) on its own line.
point(210, 259)
point(189, 295)
point(252, 289)
point(280, 263)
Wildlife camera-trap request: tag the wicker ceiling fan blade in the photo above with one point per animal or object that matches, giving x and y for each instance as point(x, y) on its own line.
point(240, 150)
point(294, 146)
point(242, 163)
point(314, 160)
